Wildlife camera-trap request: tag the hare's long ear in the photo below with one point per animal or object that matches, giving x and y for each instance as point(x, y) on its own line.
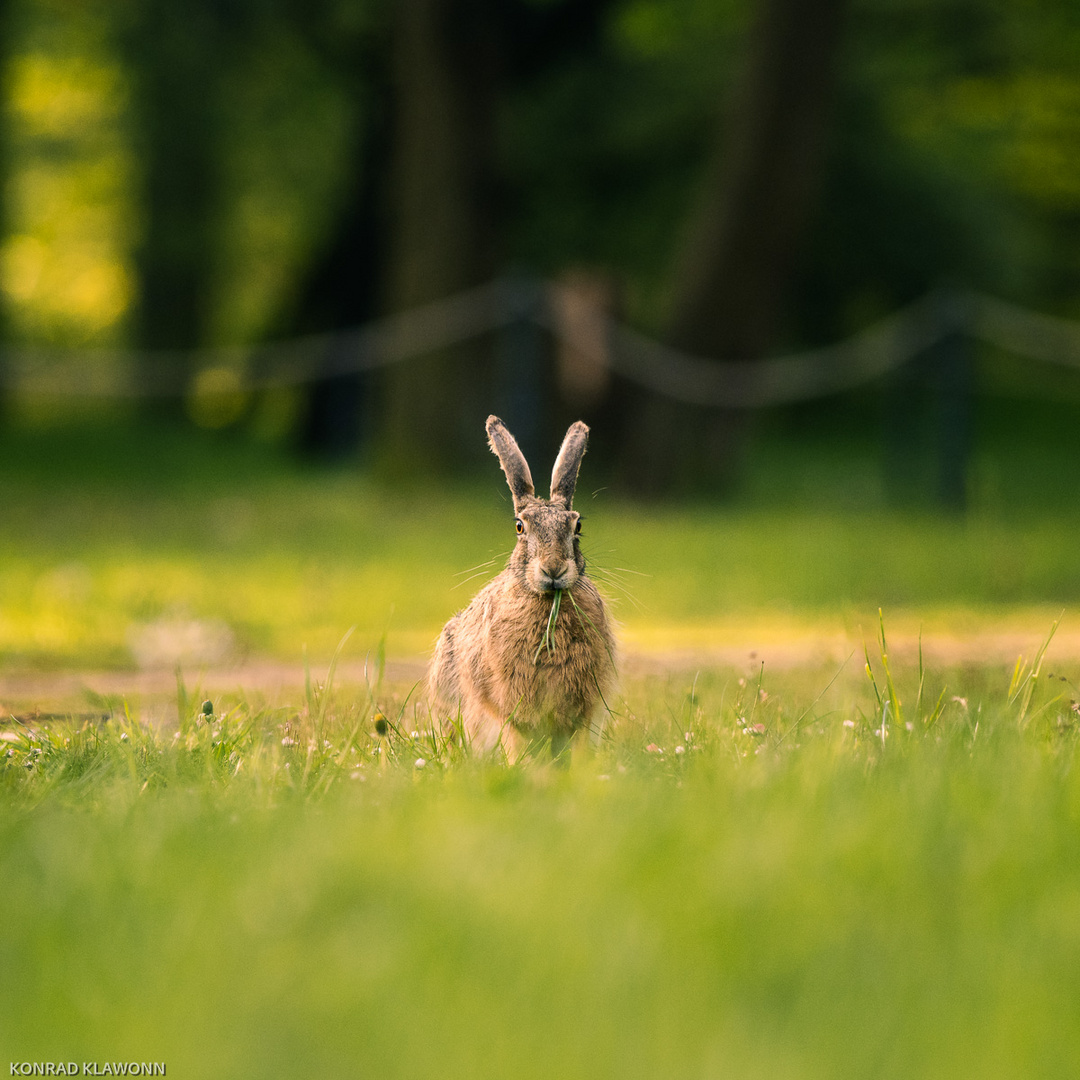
point(505, 448)
point(564, 475)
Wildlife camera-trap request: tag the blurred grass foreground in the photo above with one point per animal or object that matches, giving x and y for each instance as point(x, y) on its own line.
point(739, 879)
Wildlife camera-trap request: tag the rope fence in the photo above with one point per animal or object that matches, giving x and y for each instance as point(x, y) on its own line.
point(581, 329)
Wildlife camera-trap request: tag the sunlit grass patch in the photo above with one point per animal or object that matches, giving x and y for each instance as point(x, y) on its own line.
point(123, 546)
point(870, 707)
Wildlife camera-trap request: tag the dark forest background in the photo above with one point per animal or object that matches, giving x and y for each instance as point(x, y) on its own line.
point(733, 177)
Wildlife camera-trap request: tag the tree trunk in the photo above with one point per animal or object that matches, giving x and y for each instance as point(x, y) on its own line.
point(175, 54)
point(421, 223)
point(744, 237)
point(443, 214)
point(343, 290)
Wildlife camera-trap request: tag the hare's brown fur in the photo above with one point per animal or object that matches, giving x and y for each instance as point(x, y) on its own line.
point(492, 660)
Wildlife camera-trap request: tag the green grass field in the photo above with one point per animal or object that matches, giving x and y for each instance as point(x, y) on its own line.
point(110, 540)
point(733, 882)
point(796, 871)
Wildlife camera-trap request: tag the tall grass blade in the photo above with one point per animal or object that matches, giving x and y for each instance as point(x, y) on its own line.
point(890, 686)
point(922, 677)
point(309, 689)
point(592, 626)
point(794, 729)
point(332, 669)
point(1017, 677)
point(183, 702)
point(380, 657)
point(1023, 685)
point(546, 640)
point(870, 676)
point(938, 708)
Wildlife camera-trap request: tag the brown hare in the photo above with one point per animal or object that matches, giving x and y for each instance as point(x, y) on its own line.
point(512, 670)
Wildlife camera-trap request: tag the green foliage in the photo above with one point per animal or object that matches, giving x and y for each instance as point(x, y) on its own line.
point(953, 151)
point(282, 107)
point(605, 151)
point(70, 169)
point(953, 154)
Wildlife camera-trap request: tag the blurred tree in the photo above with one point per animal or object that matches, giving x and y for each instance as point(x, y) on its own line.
point(415, 149)
point(343, 291)
point(454, 64)
point(955, 160)
point(554, 133)
point(5, 168)
point(424, 204)
point(67, 197)
point(938, 108)
point(176, 54)
point(447, 59)
point(342, 285)
point(949, 156)
point(740, 249)
point(766, 169)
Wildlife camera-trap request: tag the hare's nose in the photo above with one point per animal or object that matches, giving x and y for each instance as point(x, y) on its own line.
point(553, 569)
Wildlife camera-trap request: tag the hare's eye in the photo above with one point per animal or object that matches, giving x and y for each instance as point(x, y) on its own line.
point(577, 527)
point(520, 526)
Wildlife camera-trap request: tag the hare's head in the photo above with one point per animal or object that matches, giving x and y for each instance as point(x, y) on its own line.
point(547, 557)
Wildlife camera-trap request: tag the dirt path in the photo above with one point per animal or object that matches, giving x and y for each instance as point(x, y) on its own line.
point(282, 683)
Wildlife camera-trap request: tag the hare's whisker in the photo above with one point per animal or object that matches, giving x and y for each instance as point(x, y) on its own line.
point(612, 582)
point(479, 566)
point(597, 558)
point(466, 581)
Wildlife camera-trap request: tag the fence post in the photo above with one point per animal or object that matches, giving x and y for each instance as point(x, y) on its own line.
point(520, 352)
point(904, 428)
point(333, 423)
point(953, 384)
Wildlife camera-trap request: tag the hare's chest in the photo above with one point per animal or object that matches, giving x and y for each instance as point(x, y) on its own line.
point(524, 647)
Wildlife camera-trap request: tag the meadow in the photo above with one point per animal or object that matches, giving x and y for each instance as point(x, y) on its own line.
point(866, 865)
point(111, 537)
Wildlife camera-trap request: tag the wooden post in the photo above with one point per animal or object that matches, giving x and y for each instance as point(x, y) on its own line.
point(953, 404)
point(521, 363)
